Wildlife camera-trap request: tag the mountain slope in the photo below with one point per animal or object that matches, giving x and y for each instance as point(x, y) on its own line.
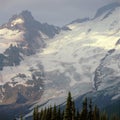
point(83, 60)
point(20, 38)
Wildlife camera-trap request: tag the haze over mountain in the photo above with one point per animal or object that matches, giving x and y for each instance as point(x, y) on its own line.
point(40, 63)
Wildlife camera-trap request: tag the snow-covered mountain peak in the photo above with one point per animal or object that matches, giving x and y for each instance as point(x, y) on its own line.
point(25, 32)
point(22, 22)
point(24, 15)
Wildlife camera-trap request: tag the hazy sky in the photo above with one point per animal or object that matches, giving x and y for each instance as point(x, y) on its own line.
point(57, 12)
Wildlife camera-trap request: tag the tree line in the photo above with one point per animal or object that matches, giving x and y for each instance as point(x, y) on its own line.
point(88, 112)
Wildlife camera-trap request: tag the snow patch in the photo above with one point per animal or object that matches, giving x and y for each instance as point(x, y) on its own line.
point(17, 21)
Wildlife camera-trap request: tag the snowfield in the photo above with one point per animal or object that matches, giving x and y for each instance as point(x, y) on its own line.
point(71, 59)
point(8, 37)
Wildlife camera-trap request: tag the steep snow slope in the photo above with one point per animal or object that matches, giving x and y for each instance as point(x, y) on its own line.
point(71, 59)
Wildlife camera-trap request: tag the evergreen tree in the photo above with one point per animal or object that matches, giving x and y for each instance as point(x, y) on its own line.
point(54, 113)
point(84, 112)
point(96, 113)
point(103, 116)
point(77, 115)
point(62, 115)
point(40, 114)
point(68, 109)
point(90, 114)
point(70, 112)
point(59, 114)
point(49, 113)
point(35, 113)
point(73, 111)
point(44, 116)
